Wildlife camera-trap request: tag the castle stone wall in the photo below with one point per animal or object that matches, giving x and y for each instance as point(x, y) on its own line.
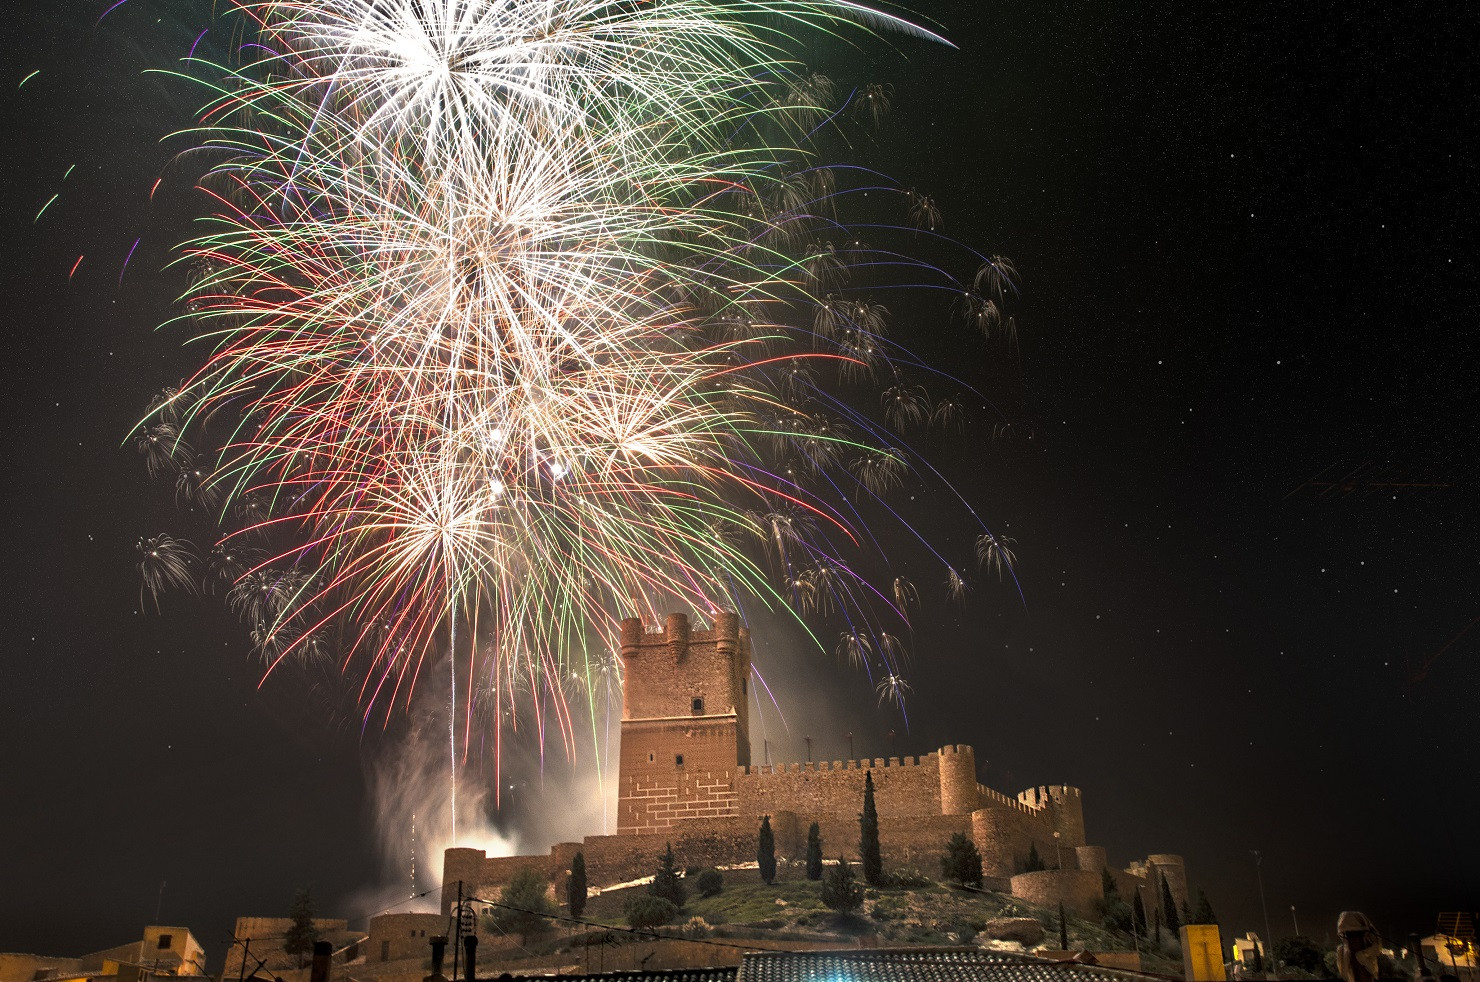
point(1091, 858)
point(1063, 808)
point(1078, 890)
point(907, 787)
point(1172, 868)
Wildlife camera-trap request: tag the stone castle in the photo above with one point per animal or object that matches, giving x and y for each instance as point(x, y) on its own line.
point(685, 778)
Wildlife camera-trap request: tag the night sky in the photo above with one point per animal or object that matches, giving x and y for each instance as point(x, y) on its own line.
point(1243, 489)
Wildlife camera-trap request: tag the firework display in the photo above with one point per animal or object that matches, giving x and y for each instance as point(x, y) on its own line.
point(526, 317)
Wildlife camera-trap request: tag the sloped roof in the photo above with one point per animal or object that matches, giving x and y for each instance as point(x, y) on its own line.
point(658, 975)
point(917, 965)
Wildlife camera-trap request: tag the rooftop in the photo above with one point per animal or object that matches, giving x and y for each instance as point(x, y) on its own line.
point(880, 965)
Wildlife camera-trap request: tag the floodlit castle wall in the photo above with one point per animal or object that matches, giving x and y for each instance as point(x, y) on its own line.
point(1090, 858)
point(903, 787)
point(1062, 807)
point(1078, 890)
point(1172, 868)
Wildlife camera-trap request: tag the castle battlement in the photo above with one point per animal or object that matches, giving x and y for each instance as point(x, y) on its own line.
point(998, 798)
point(1040, 796)
point(825, 766)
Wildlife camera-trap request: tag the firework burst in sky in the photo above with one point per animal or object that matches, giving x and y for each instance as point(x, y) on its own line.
point(527, 317)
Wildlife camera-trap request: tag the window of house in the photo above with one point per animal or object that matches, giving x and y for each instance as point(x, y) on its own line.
point(164, 941)
point(678, 759)
point(698, 705)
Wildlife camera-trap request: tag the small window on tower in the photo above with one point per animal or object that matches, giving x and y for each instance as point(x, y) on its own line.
point(678, 759)
point(164, 941)
point(744, 686)
point(650, 758)
point(698, 705)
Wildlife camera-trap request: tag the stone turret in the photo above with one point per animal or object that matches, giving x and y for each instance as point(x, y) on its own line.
point(1062, 807)
point(1172, 868)
point(958, 794)
point(994, 830)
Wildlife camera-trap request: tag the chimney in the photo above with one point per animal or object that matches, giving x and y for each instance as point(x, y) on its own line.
point(470, 959)
point(323, 952)
point(439, 955)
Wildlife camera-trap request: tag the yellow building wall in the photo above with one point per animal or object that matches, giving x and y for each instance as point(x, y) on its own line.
point(1202, 953)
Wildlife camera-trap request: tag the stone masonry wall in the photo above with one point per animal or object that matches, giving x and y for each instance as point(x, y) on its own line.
point(1078, 890)
point(674, 770)
point(902, 788)
point(612, 859)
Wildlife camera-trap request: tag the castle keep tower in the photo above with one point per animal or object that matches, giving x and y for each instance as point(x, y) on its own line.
point(685, 721)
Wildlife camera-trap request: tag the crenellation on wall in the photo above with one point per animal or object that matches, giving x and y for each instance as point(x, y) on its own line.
point(823, 766)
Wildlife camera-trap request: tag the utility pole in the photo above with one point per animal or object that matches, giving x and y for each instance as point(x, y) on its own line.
point(1269, 940)
point(1135, 935)
point(457, 929)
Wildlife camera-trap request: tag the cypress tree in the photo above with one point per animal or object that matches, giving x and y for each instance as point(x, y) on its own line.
point(1063, 929)
point(666, 883)
point(1204, 913)
point(1138, 912)
point(868, 839)
point(1169, 906)
point(840, 891)
point(765, 852)
point(962, 863)
point(575, 887)
point(1035, 862)
point(301, 933)
point(814, 852)
point(1108, 887)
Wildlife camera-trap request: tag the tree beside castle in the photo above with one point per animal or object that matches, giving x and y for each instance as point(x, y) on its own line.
point(868, 835)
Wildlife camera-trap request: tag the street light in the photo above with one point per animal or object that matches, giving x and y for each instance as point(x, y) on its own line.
point(1295, 919)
